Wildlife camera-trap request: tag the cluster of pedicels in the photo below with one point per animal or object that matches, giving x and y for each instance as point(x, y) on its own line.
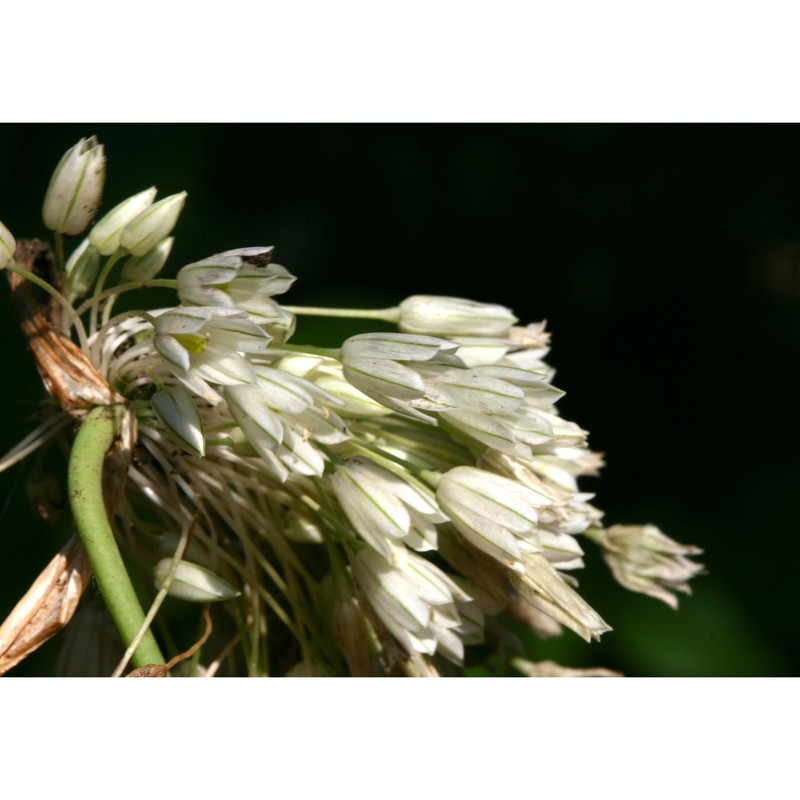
point(371, 509)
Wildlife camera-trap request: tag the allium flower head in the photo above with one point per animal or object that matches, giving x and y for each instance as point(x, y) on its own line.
point(359, 510)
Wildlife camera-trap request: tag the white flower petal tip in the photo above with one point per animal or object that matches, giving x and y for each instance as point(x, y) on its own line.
point(545, 589)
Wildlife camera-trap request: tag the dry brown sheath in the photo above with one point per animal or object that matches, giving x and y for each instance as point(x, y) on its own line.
point(68, 375)
point(74, 383)
point(47, 606)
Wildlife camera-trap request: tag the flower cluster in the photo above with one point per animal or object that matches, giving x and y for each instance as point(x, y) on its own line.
point(362, 510)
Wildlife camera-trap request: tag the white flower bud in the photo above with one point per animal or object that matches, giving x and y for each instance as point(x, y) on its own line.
point(178, 414)
point(299, 528)
point(7, 246)
point(453, 316)
point(105, 235)
point(153, 225)
point(142, 268)
point(193, 582)
point(76, 188)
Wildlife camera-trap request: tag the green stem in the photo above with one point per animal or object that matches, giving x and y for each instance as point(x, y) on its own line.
point(85, 473)
point(386, 314)
point(104, 273)
point(325, 352)
point(65, 304)
point(597, 535)
point(159, 599)
point(431, 477)
point(166, 283)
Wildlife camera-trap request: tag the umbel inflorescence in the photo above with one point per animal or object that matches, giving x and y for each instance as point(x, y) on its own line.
point(373, 509)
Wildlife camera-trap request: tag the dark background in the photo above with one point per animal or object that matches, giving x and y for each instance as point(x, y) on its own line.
point(666, 259)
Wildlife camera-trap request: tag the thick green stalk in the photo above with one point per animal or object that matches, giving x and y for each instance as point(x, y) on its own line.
point(85, 474)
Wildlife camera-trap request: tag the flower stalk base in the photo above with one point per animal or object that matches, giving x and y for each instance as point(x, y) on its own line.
point(85, 484)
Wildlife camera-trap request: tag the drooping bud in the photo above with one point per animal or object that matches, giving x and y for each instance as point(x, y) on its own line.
point(76, 188)
point(193, 582)
point(178, 414)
